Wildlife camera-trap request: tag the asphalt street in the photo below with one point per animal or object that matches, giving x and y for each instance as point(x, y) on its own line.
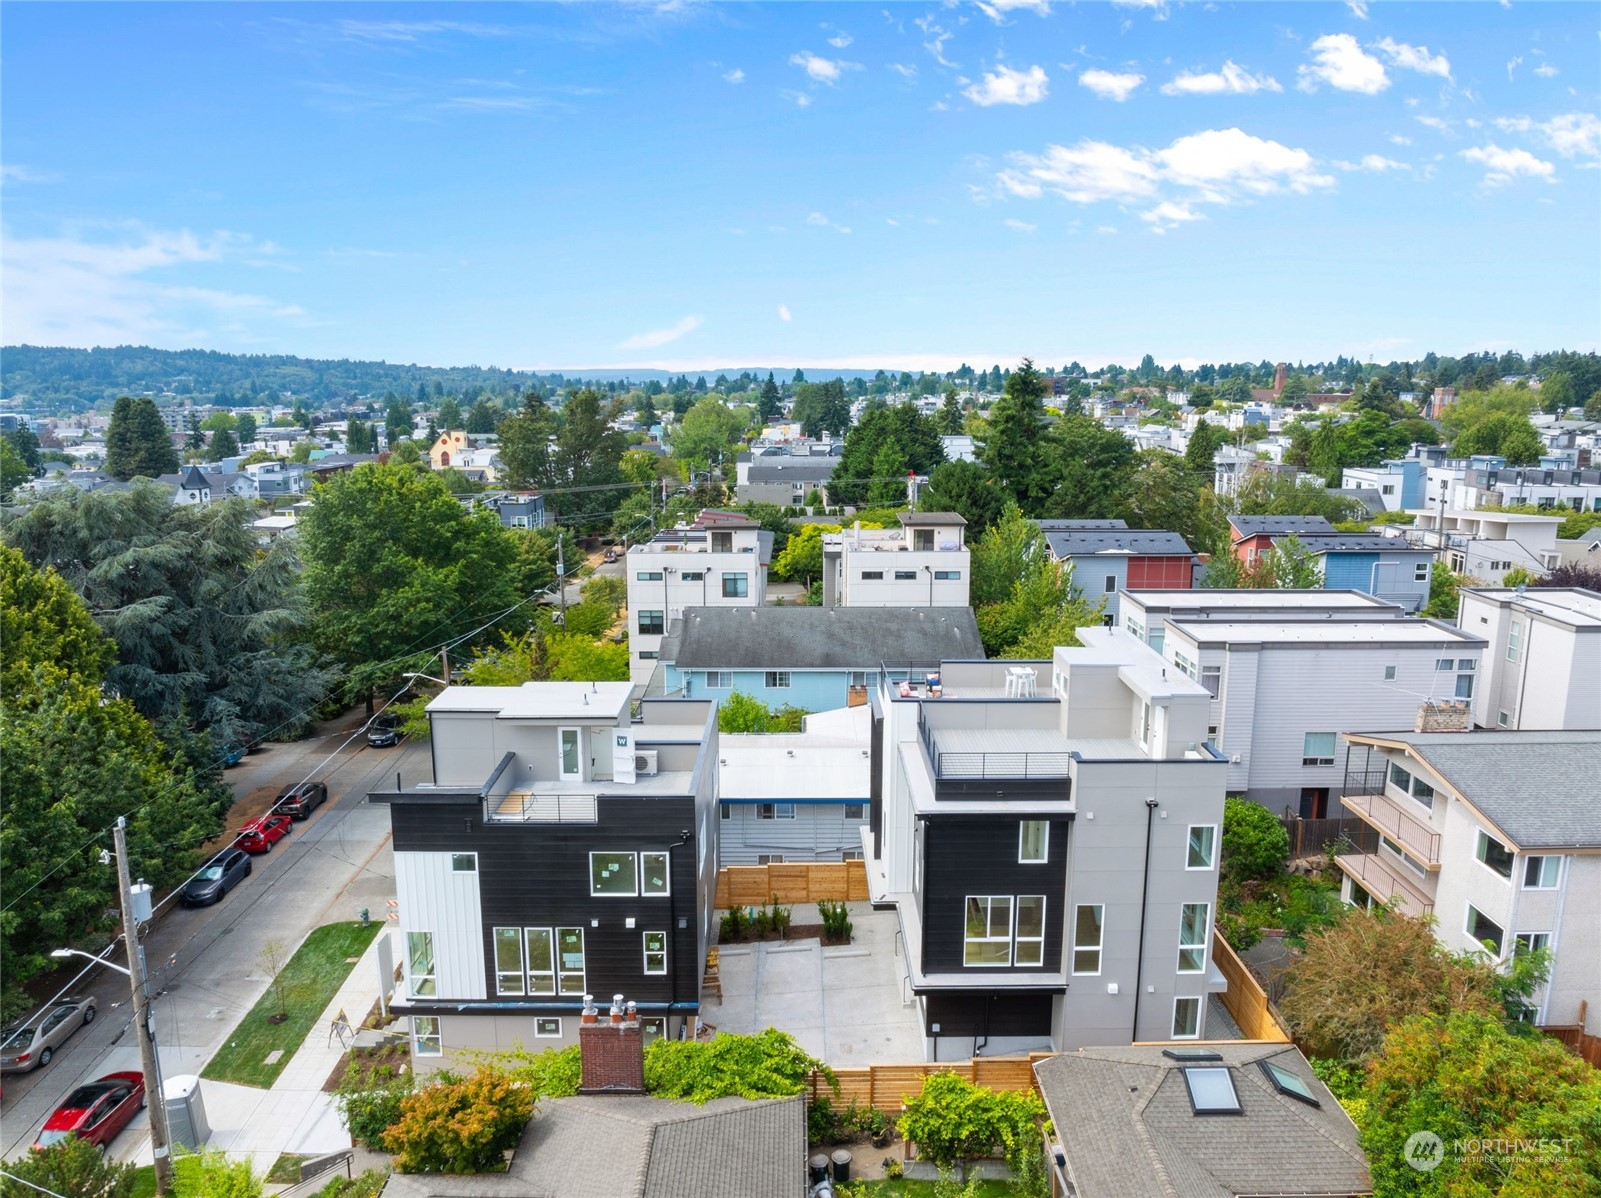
point(206, 963)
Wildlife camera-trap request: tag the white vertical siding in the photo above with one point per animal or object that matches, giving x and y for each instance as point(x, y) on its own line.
point(435, 898)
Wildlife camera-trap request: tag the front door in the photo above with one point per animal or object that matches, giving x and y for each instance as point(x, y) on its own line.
point(1314, 802)
point(572, 762)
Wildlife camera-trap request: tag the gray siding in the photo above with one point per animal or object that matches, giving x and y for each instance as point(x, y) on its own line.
point(819, 832)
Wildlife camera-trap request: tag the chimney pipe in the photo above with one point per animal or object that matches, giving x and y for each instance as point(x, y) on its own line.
point(590, 1015)
point(616, 1009)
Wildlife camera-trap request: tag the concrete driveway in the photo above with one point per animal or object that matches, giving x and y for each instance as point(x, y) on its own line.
point(843, 1005)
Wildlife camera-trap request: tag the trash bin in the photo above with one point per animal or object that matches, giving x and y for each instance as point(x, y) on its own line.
point(186, 1112)
point(842, 1165)
point(819, 1169)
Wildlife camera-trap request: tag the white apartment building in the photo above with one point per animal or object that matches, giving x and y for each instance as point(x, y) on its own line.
point(719, 561)
point(1495, 834)
point(1485, 544)
point(923, 563)
point(1145, 613)
point(1542, 666)
point(1284, 687)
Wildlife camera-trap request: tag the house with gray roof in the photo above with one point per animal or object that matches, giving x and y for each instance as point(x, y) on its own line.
point(1108, 557)
point(1497, 835)
point(1202, 1121)
point(782, 478)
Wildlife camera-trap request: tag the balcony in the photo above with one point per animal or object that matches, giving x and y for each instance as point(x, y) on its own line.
point(1378, 811)
point(528, 807)
point(1383, 876)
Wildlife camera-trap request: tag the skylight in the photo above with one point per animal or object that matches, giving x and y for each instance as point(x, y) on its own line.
point(1211, 1090)
point(1191, 1054)
point(1289, 1084)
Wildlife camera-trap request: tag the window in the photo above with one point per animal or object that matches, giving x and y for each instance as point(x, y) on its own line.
point(1186, 1018)
point(947, 575)
point(1484, 929)
point(1420, 571)
point(1030, 930)
point(769, 858)
point(906, 576)
point(655, 872)
point(1110, 584)
point(855, 810)
point(1212, 679)
point(649, 576)
point(1145, 723)
point(736, 586)
point(989, 930)
point(1399, 777)
point(1514, 638)
point(775, 810)
point(1542, 873)
point(648, 655)
point(464, 863)
point(858, 678)
point(1318, 749)
point(655, 952)
point(1211, 1089)
point(1464, 686)
point(613, 874)
point(727, 810)
point(1407, 859)
point(541, 961)
point(425, 1037)
point(1193, 919)
point(1531, 942)
point(1033, 842)
point(1445, 664)
point(1134, 628)
point(776, 679)
point(1087, 925)
point(1502, 719)
point(508, 960)
point(570, 945)
point(546, 1028)
point(650, 623)
point(420, 961)
point(1494, 854)
point(654, 1029)
point(872, 576)
point(1423, 792)
point(572, 765)
point(1203, 842)
point(719, 680)
point(693, 576)
point(1157, 636)
point(1389, 673)
point(1184, 664)
point(1290, 1084)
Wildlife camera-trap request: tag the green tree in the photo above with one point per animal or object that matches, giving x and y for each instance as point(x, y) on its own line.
point(889, 476)
point(950, 413)
point(917, 442)
point(707, 433)
point(223, 445)
point(742, 712)
point(13, 470)
point(1265, 494)
point(1464, 1077)
point(1010, 447)
point(394, 565)
point(1289, 565)
point(1512, 437)
point(1592, 407)
point(967, 489)
point(75, 1167)
point(1256, 845)
point(1044, 611)
point(954, 1121)
point(1161, 493)
point(481, 418)
point(1002, 554)
point(1444, 587)
point(802, 559)
point(137, 442)
point(24, 443)
point(1472, 406)
point(245, 428)
point(359, 438)
point(770, 404)
point(397, 422)
point(822, 407)
point(449, 413)
point(573, 657)
point(1201, 449)
point(1089, 468)
point(1296, 389)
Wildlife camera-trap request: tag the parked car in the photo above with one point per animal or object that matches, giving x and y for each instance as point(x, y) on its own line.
point(216, 878)
point(384, 731)
point(611, 555)
point(300, 800)
point(31, 1045)
point(259, 835)
point(97, 1111)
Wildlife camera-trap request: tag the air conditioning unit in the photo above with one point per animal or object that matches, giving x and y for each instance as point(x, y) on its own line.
point(645, 762)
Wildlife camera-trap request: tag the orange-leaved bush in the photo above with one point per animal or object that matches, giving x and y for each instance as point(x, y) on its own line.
point(460, 1126)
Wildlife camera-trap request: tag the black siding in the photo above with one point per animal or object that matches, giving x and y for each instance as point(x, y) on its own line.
point(981, 1013)
point(977, 855)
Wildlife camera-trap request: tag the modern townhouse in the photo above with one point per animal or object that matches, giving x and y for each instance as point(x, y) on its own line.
point(796, 796)
point(1485, 544)
point(1400, 482)
point(923, 563)
point(1252, 536)
point(1108, 558)
point(562, 849)
point(1496, 835)
point(1282, 688)
point(813, 658)
point(787, 479)
point(1396, 571)
point(719, 561)
point(1146, 612)
point(1048, 833)
point(1542, 664)
point(1555, 483)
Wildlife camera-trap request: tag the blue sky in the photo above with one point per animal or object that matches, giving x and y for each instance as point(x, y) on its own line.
point(712, 185)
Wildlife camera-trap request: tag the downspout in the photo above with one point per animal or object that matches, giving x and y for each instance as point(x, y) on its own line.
point(1145, 894)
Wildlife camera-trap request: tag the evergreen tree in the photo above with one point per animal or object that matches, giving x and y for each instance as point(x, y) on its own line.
point(950, 413)
point(1010, 447)
point(1201, 451)
point(481, 418)
point(245, 428)
point(397, 422)
point(449, 413)
point(967, 489)
point(889, 476)
point(223, 445)
point(137, 442)
point(770, 405)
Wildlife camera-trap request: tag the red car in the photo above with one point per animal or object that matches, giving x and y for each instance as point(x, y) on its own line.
point(259, 835)
point(97, 1111)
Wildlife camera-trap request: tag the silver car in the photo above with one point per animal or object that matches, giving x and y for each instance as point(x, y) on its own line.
point(33, 1044)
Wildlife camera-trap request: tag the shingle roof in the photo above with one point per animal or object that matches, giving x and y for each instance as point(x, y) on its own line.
point(823, 638)
point(1369, 542)
point(1124, 1120)
point(618, 1147)
point(789, 469)
point(1079, 525)
point(1536, 787)
point(1127, 542)
point(1251, 526)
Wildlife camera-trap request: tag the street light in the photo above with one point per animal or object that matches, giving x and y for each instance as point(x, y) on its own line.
point(61, 954)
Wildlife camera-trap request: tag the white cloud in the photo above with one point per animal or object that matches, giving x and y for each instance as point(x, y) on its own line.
point(1106, 229)
point(1546, 71)
point(1503, 166)
point(1400, 139)
point(1231, 79)
point(840, 40)
point(734, 76)
point(783, 313)
point(800, 99)
point(1341, 63)
point(16, 172)
point(1111, 85)
point(1376, 163)
point(1413, 58)
point(820, 69)
point(1006, 86)
point(1359, 9)
point(1573, 134)
point(1022, 226)
point(818, 221)
point(996, 10)
point(1512, 65)
point(937, 37)
point(665, 336)
point(1437, 124)
point(904, 70)
point(1216, 166)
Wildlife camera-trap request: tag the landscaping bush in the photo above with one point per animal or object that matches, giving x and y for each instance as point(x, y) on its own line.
point(836, 921)
point(1255, 843)
point(370, 1106)
point(953, 1121)
point(368, 1185)
point(733, 925)
point(70, 1166)
point(213, 1175)
point(460, 1126)
point(767, 1065)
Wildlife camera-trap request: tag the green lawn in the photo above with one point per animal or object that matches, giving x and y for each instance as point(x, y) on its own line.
point(310, 981)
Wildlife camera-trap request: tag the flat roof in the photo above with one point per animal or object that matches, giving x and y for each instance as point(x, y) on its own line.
point(1568, 605)
point(911, 518)
point(596, 702)
point(1333, 631)
point(1266, 600)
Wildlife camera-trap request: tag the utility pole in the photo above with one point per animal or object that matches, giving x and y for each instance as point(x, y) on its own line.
point(561, 577)
point(141, 1013)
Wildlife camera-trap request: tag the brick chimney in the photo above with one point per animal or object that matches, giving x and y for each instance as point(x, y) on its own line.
point(1445, 715)
point(613, 1052)
point(1280, 377)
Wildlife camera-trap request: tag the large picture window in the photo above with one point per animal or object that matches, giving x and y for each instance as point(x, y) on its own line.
point(613, 874)
point(570, 948)
point(1495, 855)
point(420, 964)
point(989, 930)
point(1193, 918)
point(654, 873)
point(509, 972)
point(1088, 921)
point(541, 961)
point(1484, 929)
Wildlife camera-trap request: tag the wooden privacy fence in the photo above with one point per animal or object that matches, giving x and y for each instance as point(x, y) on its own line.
point(886, 1087)
point(1576, 1040)
point(792, 882)
point(1245, 999)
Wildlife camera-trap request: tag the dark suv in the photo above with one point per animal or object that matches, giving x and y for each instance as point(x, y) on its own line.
point(216, 878)
point(384, 731)
point(299, 801)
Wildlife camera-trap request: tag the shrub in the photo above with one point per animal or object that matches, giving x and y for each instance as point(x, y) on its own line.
point(460, 1126)
point(368, 1185)
point(370, 1107)
point(70, 1166)
point(781, 919)
point(953, 1120)
point(213, 1175)
point(767, 1065)
point(761, 922)
point(825, 1123)
point(733, 925)
point(589, 619)
point(1255, 843)
point(548, 1073)
point(836, 921)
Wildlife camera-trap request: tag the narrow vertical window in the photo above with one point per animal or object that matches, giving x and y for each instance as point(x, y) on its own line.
point(655, 952)
point(541, 961)
point(572, 766)
point(1186, 1018)
point(570, 949)
point(1193, 918)
point(1087, 924)
point(1033, 842)
point(420, 964)
point(425, 1036)
point(1203, 839)
point(509, 970)
point(1030, 939)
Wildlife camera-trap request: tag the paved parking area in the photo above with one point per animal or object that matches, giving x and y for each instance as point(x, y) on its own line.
point(843, 1005)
